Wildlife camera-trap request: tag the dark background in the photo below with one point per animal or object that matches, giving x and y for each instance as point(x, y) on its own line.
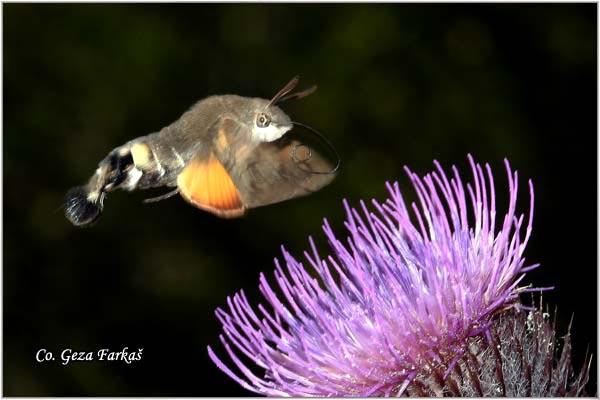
point(398, 85)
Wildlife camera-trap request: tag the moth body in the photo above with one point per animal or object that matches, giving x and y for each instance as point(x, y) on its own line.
point(225, 154)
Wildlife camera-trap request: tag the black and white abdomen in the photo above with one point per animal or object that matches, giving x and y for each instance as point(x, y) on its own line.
point(154, 160)
point(142, 163)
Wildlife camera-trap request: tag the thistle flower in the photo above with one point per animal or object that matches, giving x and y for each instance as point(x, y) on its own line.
point(395, 307)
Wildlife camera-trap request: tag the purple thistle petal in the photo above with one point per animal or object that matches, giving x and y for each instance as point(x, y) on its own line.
point(402, 294)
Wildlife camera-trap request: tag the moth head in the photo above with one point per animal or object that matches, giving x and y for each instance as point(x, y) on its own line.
point(270, 122)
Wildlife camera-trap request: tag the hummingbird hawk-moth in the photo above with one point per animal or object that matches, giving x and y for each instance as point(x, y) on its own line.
point(225, 155)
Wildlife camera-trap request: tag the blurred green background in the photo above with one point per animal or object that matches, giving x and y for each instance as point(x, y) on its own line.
point(398, 85)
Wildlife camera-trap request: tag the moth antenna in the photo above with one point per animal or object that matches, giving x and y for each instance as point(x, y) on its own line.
point(286, 89)
point(162, 197)
point(299, 95)
point(326, 142)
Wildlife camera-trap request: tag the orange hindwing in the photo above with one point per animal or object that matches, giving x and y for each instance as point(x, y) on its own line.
point(208, 186)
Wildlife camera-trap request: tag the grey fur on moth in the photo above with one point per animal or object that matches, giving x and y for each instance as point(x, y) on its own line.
point(247, 136)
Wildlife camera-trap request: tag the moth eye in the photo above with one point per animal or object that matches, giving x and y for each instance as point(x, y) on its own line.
point(263, 120)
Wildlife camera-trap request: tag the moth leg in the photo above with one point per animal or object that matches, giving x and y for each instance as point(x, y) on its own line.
point(162, 197)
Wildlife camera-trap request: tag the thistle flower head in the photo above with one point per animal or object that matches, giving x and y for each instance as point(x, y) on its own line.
point(400, 296)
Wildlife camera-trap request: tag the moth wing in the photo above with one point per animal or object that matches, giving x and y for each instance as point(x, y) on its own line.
point(237, 174)
point(277, 171)
point(206, 184)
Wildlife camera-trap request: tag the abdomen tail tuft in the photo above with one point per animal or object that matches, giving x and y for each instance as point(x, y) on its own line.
point(83, 207)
